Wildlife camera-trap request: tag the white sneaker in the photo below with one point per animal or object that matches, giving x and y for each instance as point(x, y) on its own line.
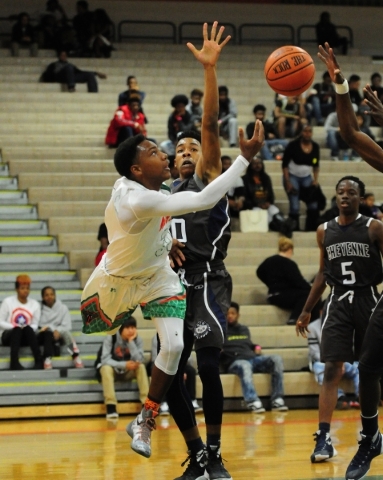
point(78, 362)
point(279, 405)
point(164, 409)
point(140, 430)
point(197, 408)
point(48, 363)
point(256, 406)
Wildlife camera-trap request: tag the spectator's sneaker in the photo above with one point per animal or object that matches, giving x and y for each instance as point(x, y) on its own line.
point(279, 405)
point(140, 430)
point(196, 466)
point(48, 363)
point(354, 403)
point(368, 450)
point(215, 469)
point(256, 406)
point(78, 362)
point(342, 403)
point(164, 409)
point(111, 412)
point(196, 406)
point(323, 449)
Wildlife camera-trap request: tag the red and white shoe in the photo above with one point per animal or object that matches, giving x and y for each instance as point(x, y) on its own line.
point(78, 362)
point(48, 363)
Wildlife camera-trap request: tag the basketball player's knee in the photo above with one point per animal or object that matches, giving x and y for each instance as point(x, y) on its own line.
point(208, 367)
point(333, 372)
point(169, 355)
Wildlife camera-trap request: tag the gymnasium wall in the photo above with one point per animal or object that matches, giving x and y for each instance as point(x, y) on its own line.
point(366, 22)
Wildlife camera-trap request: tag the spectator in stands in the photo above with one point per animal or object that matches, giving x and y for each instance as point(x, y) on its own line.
point(326, 32)
point(133, 89)
point(102, 237)
point(321, 102)
point(243, 358)
point(54, 30)
point(194, 107)
point(190, 377)
point(127, 122)
point(273, 147)
point(354, 86)
point(102, 29)
point(227, 117)
point(19, 317)
point(61, 71)
point(259, 194)
point(180, 120)
point(122, 359)
point(289, 116)
point(376, 86)
point(300, 167)
point(23, 35)
point(83, 26)
point(350, 371)
point(369, 202)
point(286, 286)
point(235, 195)
point(55, 326)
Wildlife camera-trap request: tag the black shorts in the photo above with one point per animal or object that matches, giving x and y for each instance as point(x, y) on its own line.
point(208, 297)
point(371, 355)
point(345, 321)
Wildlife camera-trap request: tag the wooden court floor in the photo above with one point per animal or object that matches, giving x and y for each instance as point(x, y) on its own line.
point(271, 446)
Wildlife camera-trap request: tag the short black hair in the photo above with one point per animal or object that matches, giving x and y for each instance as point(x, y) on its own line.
point(325, 75)
point(369, 194)
point(179, 99)
point(259, 107)
point(234, 305)
point(354, 78)
point(128, 322)
point(225, 157)
point(127, 154)
point(129, 78)
point(189, 134)
point(361, 185)
point(196, 91)
point(223, 89)
point(376, 75)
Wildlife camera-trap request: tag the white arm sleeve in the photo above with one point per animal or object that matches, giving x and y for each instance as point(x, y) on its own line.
point(150, 204)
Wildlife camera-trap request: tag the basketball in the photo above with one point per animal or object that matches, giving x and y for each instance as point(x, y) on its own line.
point(289, 70)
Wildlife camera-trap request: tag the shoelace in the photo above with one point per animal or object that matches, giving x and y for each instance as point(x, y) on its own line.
point(317, 436)
point(147, 426)
point(361, 456)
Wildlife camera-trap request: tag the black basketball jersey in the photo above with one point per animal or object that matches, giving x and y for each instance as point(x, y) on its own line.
point(351, 260)
point(206, 234)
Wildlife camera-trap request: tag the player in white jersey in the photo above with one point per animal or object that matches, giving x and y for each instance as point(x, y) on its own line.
point(136, 269)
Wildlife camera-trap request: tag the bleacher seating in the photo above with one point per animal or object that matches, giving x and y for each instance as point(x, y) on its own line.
point(55, 180)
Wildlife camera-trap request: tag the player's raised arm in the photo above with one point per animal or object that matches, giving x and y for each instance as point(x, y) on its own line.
point(209, 166)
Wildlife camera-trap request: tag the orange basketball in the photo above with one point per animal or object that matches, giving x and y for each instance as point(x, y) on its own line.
point(289, 70)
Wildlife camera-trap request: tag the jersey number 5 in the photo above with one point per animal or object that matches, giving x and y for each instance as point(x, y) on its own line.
point(350, 273)
point(179, 230)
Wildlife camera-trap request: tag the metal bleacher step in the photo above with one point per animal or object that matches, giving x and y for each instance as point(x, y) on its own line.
point(62, 363)
point(7, 182)
point(23, 227)
point(34, 244)
point(14, 197)
point(28, 262)
point(22, 212)
point(40, 279)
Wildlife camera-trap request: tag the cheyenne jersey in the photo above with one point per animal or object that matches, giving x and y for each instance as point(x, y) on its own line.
point(350, 258)
point(206, 234)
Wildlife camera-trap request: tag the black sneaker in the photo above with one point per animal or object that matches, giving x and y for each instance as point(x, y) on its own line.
point(368, 450)
point(215, 467)
point(196, 467)
point(323, 449)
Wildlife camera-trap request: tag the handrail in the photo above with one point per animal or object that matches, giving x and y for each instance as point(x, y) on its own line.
point(230, 29)
point(301, 40)
point(144, 36)
point(273, 38)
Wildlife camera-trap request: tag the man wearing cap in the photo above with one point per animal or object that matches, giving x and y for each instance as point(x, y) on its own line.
point(19, 317)
point(122, 359)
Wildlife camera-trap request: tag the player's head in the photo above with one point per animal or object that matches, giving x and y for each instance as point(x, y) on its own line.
point(128, 327)
point(233, 313)
point(188, 153)
point(259, 112)
point(349, 192)
point(139, 159)
point(48, 296)
point(23, 286)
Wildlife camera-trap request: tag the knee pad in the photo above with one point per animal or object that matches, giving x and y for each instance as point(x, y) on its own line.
point(169, 355)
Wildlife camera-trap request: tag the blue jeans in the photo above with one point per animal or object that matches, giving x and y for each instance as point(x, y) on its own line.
point(259, 364)
point(265, 150)
point(298, 183)
point(351, 372)
point(332, 142)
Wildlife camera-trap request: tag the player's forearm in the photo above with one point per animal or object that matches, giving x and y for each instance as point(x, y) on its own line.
point(210, 103)
point(316, 292)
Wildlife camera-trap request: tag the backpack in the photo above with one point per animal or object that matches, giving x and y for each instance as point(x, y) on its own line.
point(97, 363)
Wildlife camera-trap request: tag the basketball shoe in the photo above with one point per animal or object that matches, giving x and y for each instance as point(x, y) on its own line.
point(140, 430)
point(323, 449)
point(215, 469)
point(196, 466)
point(367, 451)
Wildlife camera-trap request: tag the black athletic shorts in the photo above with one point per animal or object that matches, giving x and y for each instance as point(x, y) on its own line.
point(371, 355)
point(208, 297)
point(345, 320)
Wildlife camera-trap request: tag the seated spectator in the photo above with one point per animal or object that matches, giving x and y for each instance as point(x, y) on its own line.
point(23, 35)
point(235, 195)
point(127, 122)
point(227, 117)
point(194, 107)
point(326, 32)
point(376, 86)
point(289, 116)
point(83, 24)
point(273, 147)
point(243, 358)
point(350, 371)
point(369, 202)
point(286, 286)
point(133, 89)
point(259, 194)
point(100, 42)
point(321, 102)
point(300, 167)
point(354, 86)
point(62, 71)
point(122, 359)
point(102, 237)
point(180, 120)
point(54, 30)
point(19, 317)
point(54, 329)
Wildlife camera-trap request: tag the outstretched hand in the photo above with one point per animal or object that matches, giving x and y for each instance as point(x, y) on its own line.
point(211, 49)
point(372, 101)
point(327, 56)
point(249, 148)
